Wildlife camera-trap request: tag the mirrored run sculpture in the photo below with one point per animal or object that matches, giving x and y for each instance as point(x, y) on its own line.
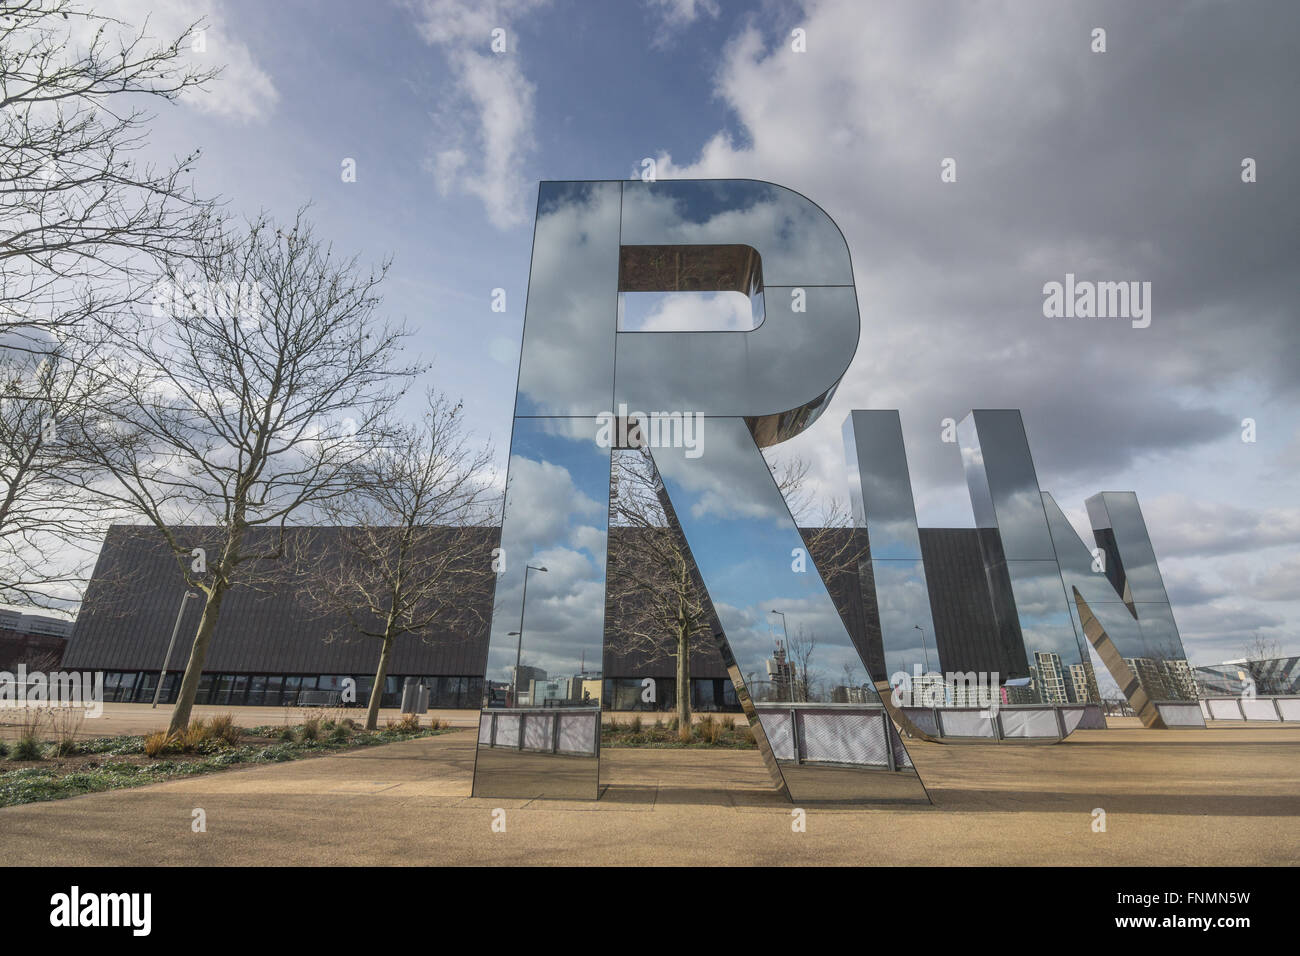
point(1071, 606)
point(693, 409)
point(636, 483)
point(1052, 601)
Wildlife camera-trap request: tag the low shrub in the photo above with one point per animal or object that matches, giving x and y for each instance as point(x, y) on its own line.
point(194, 736)
point(407, 724)
point(222, 729)
point(66, 723)
point(28, 747)
point(310, 729)
point(159, 742)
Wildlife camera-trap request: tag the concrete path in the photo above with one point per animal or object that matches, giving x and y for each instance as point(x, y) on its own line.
point(1220, 796)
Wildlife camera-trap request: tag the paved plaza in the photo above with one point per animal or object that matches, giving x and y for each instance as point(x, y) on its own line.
point(1225, 795)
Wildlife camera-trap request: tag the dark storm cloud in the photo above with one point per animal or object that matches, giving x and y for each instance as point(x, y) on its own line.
point(1123, 165)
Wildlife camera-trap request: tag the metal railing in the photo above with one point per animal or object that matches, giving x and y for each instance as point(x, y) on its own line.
point(1271, 708)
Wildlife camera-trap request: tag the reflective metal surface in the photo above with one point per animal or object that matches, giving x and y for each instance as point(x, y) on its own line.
point(566, 364)
point(1058, 591)
point(880, 490)
point(1122, 606)
point(748, 551)
point(556, 518)
point(538, 752)
point(780, 375)
point(742, 390)
point(1030, 600)
point(1120, 530)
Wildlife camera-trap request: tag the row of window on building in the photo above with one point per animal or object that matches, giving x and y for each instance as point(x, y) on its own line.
point(287, 690)
point(449, 693)
point(631, 693)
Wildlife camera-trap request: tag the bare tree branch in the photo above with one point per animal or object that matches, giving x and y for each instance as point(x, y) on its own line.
point(251, 403)
point(416, 539)
point(80, 218)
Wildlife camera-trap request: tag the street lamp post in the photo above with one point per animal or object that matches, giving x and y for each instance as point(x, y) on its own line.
point(785, 630)
point(924, 650)
point(519, 647)
point(180, 613)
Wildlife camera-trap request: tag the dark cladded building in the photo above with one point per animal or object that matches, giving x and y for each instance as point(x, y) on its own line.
point(272, 644)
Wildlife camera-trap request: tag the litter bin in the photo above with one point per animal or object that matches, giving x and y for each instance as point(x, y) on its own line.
point(415, 696)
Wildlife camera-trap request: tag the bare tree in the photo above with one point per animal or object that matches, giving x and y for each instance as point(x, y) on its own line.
point(849, 675)
point(657, 603)
point(414, 547)
point(800, 648)
point(50, 526)
point(825, 523)
point(657, 606)
point(246, 403)
point(1261, 648)
point(80, 218)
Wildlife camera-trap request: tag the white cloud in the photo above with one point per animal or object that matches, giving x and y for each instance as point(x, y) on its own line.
point(1049, 181)
point(485, 130)
point(243, 91)
point(1189, 526)
point(1279, 582)
point(685, 312)
point(674, 15)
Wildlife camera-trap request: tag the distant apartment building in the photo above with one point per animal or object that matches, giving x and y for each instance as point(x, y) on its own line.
point(781, 675)
point(1164, 679)
point(1083, 684)
point(1019, 691)
point(848, 694)
point(1049, 678)
point(526, 678)
point(1150, 676)
point(1181, 678)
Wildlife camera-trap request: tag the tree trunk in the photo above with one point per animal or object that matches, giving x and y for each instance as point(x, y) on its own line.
point(683, 680)
point(377, 692)
point(198, 654)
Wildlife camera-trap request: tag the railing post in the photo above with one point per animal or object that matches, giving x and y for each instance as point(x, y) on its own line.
point(889, 739)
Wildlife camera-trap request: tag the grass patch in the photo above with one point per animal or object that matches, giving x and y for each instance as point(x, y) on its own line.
point(113, 763)
point(709, 731)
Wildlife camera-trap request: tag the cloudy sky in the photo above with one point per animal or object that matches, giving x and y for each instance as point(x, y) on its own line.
point(1116, 165)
